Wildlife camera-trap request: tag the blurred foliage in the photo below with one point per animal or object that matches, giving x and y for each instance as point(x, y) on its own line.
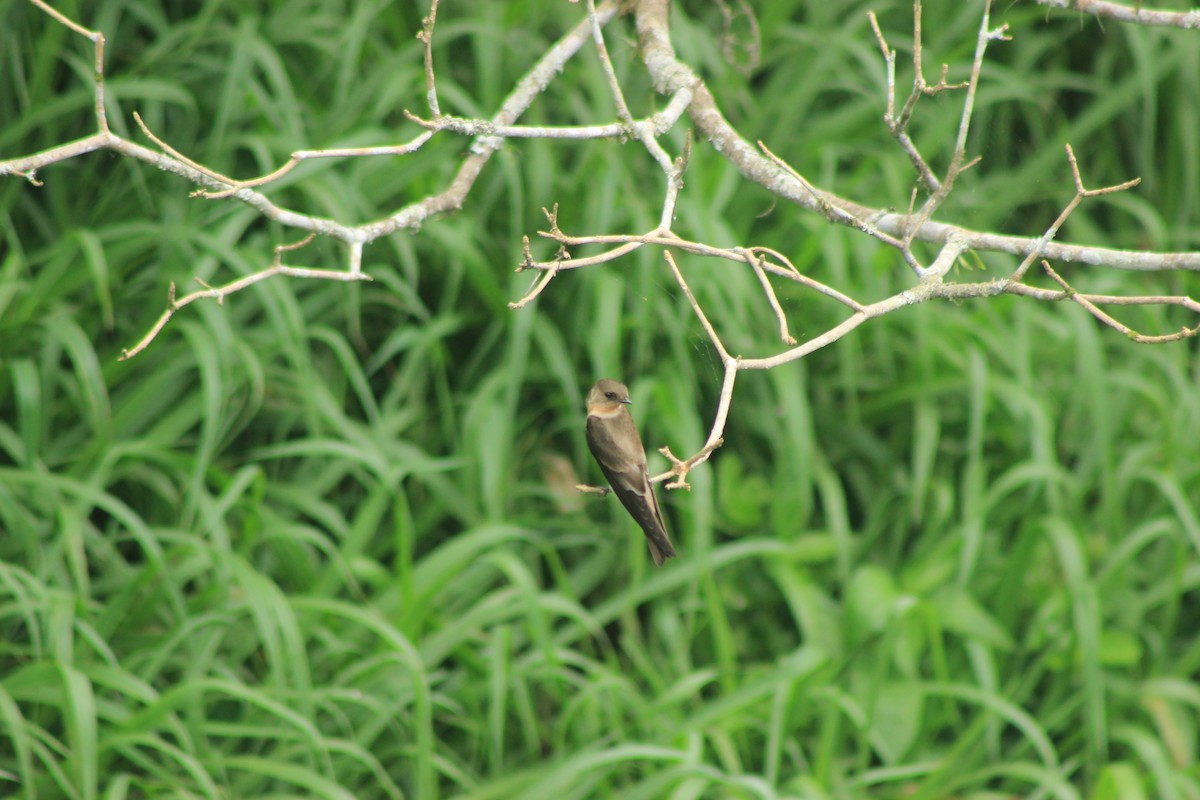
point(321, 540)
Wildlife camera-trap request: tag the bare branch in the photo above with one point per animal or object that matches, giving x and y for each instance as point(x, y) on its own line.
point(688, 94)
point(671, 75)
point(708, 328)
point(898, 129)
point(97, 39)
point(1123, 13)
point(681, 467)
point(756, 262)
point(1080, 194)
point(1110, 321)
point(426, 39)
point(219, 293)
point(957, 167)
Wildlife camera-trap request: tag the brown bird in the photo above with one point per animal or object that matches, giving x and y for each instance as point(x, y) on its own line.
point(613, 439)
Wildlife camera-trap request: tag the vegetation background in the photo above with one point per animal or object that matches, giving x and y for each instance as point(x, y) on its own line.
point(320, 540)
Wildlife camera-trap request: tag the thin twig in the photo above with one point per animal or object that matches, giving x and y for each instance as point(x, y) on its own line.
point(708, 328)
point(1111, 321)
point(219, 293)
point(1068, 209)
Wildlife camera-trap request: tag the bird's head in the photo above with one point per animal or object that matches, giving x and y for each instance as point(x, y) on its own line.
point(607, 397)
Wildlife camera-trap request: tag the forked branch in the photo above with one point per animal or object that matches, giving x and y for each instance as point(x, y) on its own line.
point(688, 100)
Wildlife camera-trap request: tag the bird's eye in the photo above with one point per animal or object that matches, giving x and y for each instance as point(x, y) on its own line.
point(611, 395)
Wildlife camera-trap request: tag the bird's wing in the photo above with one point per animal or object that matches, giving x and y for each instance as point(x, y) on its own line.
point(618, 451)
point(615, 444)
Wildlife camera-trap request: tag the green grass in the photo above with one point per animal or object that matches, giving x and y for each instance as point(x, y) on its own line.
point(321, 540)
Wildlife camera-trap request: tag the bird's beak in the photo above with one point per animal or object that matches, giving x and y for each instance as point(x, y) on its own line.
point(627, 401)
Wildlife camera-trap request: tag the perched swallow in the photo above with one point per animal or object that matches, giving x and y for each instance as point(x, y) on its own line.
point(613, 439)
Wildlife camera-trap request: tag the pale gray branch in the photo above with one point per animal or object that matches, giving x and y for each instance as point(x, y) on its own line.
point(1123, 12)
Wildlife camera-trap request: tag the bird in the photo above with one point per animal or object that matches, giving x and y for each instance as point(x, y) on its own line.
point(613, 439)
